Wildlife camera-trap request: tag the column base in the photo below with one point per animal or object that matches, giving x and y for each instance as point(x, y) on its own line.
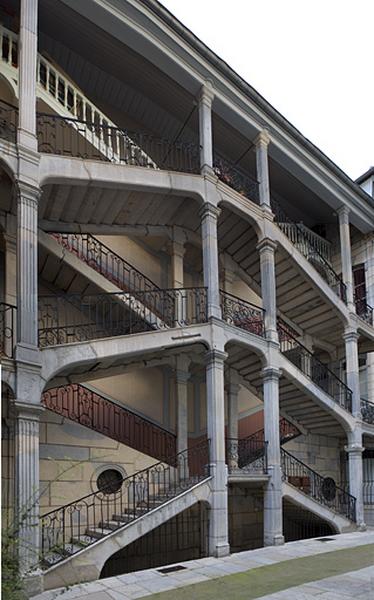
point(274, 540)
point(361, 526)
point(33, 583)
point(220, 550)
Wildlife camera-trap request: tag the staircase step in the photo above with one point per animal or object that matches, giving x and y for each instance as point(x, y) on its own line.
point(53, 558)
point(114, 524)
point(83, 541)
point(98, 532)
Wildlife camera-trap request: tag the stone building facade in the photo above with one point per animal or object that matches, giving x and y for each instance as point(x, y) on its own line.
point(186, 289)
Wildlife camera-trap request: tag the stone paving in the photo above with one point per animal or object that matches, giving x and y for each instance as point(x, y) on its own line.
point(151, 581)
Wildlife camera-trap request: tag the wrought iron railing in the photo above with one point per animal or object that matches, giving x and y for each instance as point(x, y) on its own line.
point(310, 247)
point(8, 122)
point(235, 178)
point(80, 317)
point(249, 454)
point(88, 139)
point(8, 314)
point(311, 366)
point(105, 261)
point(322, 489)
point(367, 411)
point(76, 525)
point(364, 310)
point(242, 314)
point(77, 403)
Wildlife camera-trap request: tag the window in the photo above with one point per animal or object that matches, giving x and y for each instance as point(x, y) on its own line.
point(109, 481)
point(359, 288)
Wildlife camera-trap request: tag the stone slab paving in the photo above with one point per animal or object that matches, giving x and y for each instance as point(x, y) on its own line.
point(151, 581)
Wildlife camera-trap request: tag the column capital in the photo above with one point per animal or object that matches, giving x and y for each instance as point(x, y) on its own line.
point(26, 411)
point(343, 213)
point(263, 137)
point(215, 355)
point(182, 364)
point(354, 449)
point(206, 93)
point(271, 374)
point(177, 248)
point(266, 244)
point(28, 191)
point(209, 210)
point(350, 335)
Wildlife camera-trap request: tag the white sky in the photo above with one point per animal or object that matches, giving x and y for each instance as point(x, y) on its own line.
point(311, 59)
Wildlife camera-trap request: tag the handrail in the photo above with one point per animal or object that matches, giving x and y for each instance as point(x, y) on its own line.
point(311, 366)
point(363, 309)
point(7, 329)
point(322, 489)
point(90, 409)
point(307, 246)
point(70, 317)
point(242, 314)
point(8, 121)
point(78, 524)
point(367, 411)
point(105, 261)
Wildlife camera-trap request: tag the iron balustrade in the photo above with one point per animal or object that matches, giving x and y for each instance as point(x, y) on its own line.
point(242, 314)
point(99, 141)
point(322, 489)
point(8, 121)
point(364, 310)
point(367, 411)
point(310, 247)
point(235, 178)
point(247, 455)
point(311, 366)
point(81, 317)
point(68, 529)
point(8, 314)
point(105, 261)
point(81, 405)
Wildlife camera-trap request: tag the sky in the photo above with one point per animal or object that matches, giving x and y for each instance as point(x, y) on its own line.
point(311, 59)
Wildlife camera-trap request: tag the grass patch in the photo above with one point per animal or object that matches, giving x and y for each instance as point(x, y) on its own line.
point(275, 578)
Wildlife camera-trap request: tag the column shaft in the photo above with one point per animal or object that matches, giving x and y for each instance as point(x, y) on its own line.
point(352, 369)
point(209, 216)
point(181, 382)
point(345, 250)
point(262, 142)
point(218, 527)
point(268, 287)
point(273, 520)
point(27, 60)
point(205, 127)
point(355, 469)
point(232, 422)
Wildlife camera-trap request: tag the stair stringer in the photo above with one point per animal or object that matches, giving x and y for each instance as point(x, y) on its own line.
point(339, 523)
point(86, 565)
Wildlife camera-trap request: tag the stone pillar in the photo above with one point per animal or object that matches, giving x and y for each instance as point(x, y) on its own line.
point(218, 526)
point(232, 420)
point(205, 100)
point(266, 248)
point(355, 470)
point(182, 376)
point(370, 300)
point(209, 216)
point(27, 268)
point(273, 520)
point(262, 142)
point(27, 60)
point(345, 251)
point(177, 279)
point(352, 369)
point(27, 483)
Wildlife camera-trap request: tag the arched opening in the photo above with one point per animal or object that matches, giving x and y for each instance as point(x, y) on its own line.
point(300, 524)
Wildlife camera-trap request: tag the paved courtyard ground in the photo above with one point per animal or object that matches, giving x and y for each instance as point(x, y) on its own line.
point(340, 567)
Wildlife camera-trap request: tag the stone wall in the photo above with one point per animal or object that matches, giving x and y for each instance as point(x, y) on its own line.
point(320, 452)
point(245, 518)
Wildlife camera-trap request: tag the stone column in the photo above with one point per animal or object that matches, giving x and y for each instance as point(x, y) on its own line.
point(205, 100)
point(209, 216)
point(355, 450)
point(177, 279)
point(27, 269)
point(218, 526)
point(352, 369)
point(182, 376)
point(262, 142)
point(345, 251)
point(370, 300)
point(266, 248)
point(273, 520)
point(27, 483)
point(27, 61)
point(232, 420)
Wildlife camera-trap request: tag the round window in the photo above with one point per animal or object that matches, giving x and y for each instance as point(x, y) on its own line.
point(109, 481)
